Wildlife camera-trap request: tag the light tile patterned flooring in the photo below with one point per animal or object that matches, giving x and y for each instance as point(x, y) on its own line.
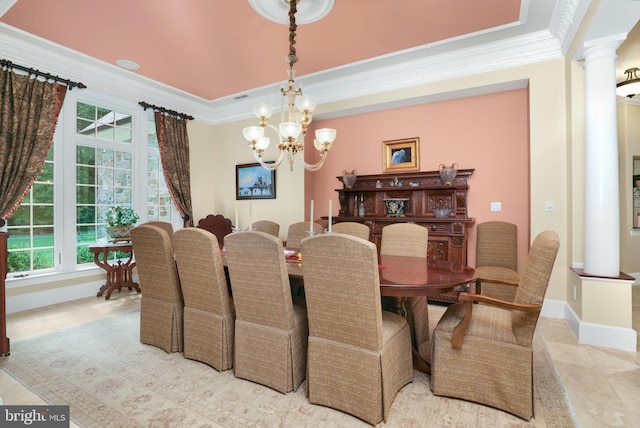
point(602, 385)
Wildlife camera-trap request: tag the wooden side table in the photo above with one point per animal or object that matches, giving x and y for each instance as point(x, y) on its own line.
point(118, 274)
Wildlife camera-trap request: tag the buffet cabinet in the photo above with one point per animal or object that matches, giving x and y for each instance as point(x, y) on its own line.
point(374, 200)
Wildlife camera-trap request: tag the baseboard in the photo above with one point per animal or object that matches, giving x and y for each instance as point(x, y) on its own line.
point(607, 336)
point(37, 299)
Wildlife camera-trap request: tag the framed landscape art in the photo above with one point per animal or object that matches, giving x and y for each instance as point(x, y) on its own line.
point(255, 182)
point(401, 155)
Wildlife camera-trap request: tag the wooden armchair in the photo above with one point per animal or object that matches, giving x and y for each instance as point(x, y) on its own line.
point(218, 225)
point(484, 353)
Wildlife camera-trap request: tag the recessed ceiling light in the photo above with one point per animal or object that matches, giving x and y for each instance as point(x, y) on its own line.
point(129, 65)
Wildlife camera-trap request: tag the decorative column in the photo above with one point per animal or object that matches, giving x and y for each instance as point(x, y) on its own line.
point(601, 200)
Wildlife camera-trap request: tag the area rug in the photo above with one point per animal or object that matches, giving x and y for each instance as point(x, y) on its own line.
point(109, 379)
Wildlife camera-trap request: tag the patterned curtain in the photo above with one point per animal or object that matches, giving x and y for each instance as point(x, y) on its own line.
point(30, 109)
point(174, 155)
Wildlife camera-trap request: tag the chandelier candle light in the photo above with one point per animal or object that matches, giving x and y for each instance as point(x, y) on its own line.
point(291, 133)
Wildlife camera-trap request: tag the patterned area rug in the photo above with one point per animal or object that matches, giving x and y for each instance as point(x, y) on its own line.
point(110, 379)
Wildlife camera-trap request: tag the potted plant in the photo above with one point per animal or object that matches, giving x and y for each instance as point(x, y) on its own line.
point(120, 220)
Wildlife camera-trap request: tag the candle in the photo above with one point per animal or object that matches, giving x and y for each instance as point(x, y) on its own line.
point(250, 216)
point(236, 224)
point(311, 219)
point(330, 210)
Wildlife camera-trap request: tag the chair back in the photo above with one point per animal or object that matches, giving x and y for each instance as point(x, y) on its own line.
point(343, 303)
point(217, 224)
point(201, 271)
point(266, 226)
point(259, 279)
point(298, 231)
point(533, 284)
point(168, 227)
point(497, 245)
point(352, 228)
point(155, 263)
point(405, 239)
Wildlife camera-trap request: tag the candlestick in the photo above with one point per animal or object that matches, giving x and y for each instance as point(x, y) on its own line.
point(330, 210)
point(311, 219)
point(236, 224)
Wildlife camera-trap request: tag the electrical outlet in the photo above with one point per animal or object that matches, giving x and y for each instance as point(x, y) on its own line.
point(496, 206)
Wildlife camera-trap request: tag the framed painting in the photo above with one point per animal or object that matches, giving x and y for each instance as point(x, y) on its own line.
point(401, 155)
point(255, 182)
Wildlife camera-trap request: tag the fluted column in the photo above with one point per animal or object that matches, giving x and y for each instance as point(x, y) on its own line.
point(601, 200)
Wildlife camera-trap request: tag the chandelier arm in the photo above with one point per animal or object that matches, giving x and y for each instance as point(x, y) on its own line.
point(315, 166)
point(269, 166)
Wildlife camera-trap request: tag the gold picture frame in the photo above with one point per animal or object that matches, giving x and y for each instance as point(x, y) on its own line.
point(401, 155)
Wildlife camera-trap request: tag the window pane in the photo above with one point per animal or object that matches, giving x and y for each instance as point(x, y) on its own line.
point(20, 238)
point(42, 237)
point(83, 255)
point(21, 217)
point(105, 158)
point(85, 111)
point(85, 234)
point(43, 215)
point(46, 175)
point(43, 259)
point(85, 155)
point(42, 193)
point(85, 214)
point(85, 195)
point(85, 175)
point(123, 135)
point(19, 261)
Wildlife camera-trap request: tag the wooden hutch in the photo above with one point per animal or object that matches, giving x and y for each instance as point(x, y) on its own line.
point(423, 191)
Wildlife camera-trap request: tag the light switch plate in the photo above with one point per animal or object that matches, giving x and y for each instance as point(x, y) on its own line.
point(496, 206)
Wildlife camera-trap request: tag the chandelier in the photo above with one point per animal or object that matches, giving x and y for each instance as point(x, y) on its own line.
point(631, 85)
point(291, 133)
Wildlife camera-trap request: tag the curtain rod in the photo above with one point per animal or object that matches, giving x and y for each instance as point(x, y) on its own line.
point(166, 111)
point(70, 84)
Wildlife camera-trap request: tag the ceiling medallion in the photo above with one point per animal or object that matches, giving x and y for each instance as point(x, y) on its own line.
point(308, 10)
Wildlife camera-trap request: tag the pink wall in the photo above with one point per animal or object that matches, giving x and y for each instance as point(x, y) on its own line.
point(489, 133)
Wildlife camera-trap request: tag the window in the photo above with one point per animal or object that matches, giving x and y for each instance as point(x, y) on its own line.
point(104, 178)
point(105, 155)
point(31, 228)
point(159, 203)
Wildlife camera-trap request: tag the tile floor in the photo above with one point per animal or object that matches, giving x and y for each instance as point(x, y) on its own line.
point(602, 385)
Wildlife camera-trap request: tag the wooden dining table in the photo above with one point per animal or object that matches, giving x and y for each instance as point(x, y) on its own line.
point(402, 277)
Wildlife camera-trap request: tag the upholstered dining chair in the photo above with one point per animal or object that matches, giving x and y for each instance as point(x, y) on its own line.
point(161, 304)
point(208, 310)
point(412, 240)
point(497, 259)
point(352, 228)
point(266, 226)
point(298, 231)
point(271, 329)
point(359, 356)
point(484, 353)
point(168, 227)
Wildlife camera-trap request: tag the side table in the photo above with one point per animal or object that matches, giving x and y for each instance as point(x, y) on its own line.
point(118, 274)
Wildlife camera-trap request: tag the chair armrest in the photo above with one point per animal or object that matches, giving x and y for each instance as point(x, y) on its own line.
point(498, 281)
point(460, 330)
point(478, 298)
